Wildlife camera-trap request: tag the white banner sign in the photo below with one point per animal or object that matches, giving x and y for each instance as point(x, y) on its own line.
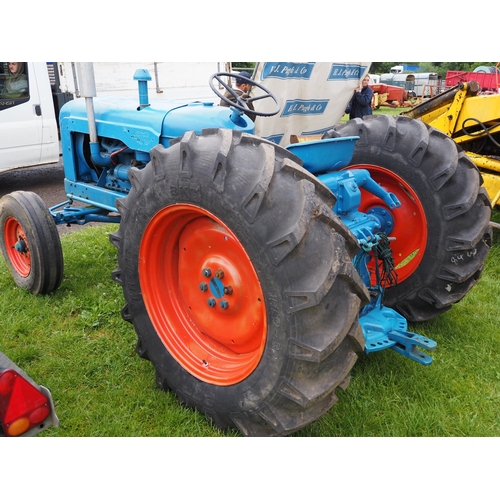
point(313, 96)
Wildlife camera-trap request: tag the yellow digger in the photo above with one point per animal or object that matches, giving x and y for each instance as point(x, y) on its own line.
point(473, 122)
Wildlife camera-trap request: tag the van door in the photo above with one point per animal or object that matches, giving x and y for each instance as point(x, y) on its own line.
point(28, 127)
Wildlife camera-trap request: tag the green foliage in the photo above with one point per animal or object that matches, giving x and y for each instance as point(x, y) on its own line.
point(238, 66)
point(75, 343)
point(442, 67)
point(385, 67)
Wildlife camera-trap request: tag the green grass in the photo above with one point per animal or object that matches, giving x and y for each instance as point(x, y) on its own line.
point(383, 110)
point(75, 343)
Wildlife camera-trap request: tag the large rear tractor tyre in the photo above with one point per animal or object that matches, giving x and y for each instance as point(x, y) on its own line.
point(442, 228)
point(30, 242)
point(238, 279)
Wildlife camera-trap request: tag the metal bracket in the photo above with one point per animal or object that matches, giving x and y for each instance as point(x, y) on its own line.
point(81, 215)
point(384, 328)
point(407, 344)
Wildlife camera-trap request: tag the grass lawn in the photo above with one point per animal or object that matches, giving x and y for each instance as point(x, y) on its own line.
point(75, 343)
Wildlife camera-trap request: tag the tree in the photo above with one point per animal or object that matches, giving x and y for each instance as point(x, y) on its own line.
point(381, 67)
point(238, 66)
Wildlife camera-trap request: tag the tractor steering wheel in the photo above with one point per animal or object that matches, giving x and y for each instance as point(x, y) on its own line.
point(242, 104)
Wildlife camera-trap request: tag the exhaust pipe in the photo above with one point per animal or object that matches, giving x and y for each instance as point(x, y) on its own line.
point(88, 90)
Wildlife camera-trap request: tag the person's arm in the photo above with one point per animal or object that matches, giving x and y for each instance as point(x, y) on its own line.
point(364, 98)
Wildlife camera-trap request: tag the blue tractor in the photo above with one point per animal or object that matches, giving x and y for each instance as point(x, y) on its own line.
point(255, 275)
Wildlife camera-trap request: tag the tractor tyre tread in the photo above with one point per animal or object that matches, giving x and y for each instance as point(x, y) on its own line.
point(302, 254)
point(456, 205)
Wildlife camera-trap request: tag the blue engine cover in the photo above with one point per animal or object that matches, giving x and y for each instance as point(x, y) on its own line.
point(146, 127)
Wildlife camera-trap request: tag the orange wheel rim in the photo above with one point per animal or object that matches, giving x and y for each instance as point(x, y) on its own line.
point(17, 247)
point(202, 294)
point(409, 221)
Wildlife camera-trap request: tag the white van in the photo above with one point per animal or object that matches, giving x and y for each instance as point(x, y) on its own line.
point(28, 126)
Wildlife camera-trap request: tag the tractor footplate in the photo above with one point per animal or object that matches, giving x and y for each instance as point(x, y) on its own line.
point(384, 328)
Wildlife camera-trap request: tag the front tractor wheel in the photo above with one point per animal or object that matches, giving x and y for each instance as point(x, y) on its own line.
point(239, 281)
point(30, 242)
point(441, 231)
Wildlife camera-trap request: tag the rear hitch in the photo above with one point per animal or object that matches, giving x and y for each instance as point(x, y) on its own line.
point(384, 328)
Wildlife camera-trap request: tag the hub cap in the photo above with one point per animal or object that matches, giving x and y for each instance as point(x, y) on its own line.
point(17, 247)
point(202, 294)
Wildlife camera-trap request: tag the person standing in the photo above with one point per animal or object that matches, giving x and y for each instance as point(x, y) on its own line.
point(361, 102)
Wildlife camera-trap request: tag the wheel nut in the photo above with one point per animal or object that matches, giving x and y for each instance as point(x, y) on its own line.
point(203, 287)
point(219, 274)
point(211, 302)
point(206, 272)
point(228, 290)
point(224, 304)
